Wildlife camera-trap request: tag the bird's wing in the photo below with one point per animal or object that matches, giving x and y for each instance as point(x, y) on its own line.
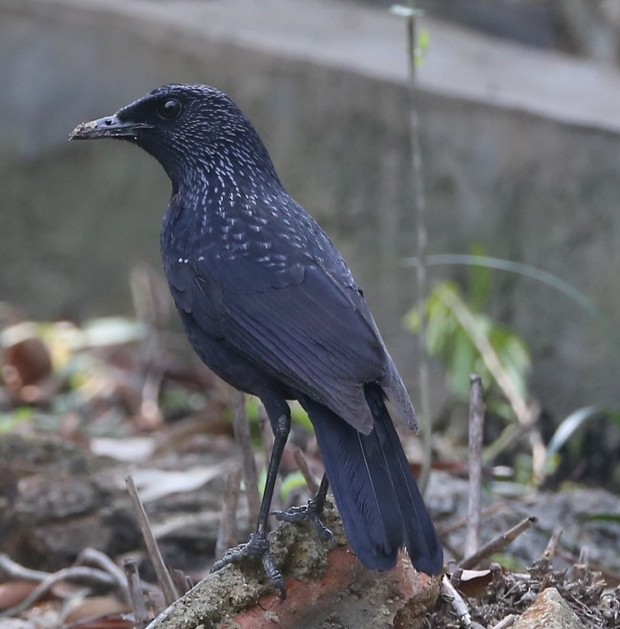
point(295, 321)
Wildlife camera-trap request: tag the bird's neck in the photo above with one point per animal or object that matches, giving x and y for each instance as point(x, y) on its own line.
point(236, 167)
point(219, 188)
point(212, 194)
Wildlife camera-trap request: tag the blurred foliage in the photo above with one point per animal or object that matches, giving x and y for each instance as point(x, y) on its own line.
point(92, 376)
point(585, 446)
point(110, 377)
point(464, 338)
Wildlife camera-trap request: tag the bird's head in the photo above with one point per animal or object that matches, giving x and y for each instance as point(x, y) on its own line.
point(185, 127)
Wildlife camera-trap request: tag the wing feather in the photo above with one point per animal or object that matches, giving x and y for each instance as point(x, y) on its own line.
point(297, 323)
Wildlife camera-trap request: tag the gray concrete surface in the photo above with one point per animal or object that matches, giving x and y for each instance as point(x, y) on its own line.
point(521, 152)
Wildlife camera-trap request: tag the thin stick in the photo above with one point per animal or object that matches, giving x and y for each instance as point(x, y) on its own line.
point(182, 581)
point(584, 555)
point(552, 545)
point(498, 544)
point(612, 578)
point(13, 570)
point(449, 593)
point(163, 576)
point(476, 421)
point(241, 426)
point(136, 595)
point(101, 560)
point(419, 205)
point(302, 464)
point(106, 573)
point(226, 535)
point(81, 574)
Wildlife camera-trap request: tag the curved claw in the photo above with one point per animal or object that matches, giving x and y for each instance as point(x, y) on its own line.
point(256, 546)
point(306, 513)
point(273, 574)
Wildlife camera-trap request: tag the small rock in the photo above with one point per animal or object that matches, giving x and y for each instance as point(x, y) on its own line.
point(549, 610)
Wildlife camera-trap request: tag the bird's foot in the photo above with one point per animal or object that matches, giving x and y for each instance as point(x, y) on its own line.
point(257, 546)
point(307, 513)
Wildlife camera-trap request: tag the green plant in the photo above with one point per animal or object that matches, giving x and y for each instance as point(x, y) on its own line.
point(467, 340)
point(567, 440)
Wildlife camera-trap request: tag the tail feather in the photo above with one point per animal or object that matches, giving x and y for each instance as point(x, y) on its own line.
point(421, 539)
point(376, 494)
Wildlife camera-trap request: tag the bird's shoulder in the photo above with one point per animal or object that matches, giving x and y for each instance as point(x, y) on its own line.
point(252, 246)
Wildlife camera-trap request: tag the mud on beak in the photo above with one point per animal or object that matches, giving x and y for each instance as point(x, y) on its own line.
point(108, 127)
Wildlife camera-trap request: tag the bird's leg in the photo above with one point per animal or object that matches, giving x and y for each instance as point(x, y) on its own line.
point(310, 512)
point(258, 545)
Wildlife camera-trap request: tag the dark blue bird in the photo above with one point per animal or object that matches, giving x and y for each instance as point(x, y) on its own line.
point(270, 306)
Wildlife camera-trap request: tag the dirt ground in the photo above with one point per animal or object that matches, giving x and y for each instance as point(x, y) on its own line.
point(73, 555)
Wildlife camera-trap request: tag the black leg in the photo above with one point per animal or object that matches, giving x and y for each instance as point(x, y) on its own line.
point(310, 512)
point(258, 546)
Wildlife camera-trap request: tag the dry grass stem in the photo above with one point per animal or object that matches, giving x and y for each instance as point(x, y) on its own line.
point(163, 575)
point(476, 424)
point(304, 468)
point(227, 534)
point(552, 545)
point(136, 595)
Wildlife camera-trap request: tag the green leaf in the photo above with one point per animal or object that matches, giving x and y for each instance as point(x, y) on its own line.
point(457, 335)
point(569, 426)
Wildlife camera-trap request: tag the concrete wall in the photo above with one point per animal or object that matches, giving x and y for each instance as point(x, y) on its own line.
point(521, 155)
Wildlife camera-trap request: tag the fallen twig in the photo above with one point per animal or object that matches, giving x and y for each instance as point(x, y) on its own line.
point(506, 622)
point(81, 574)
point(163, 576)
point(13, 570)
point(101, 560)
point(450, 595)
point(108, 577)
point(498, 544)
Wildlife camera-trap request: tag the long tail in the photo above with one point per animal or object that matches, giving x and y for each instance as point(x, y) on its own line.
point(376, 494)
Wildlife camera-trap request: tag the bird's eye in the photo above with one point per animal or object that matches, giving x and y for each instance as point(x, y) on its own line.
point(169, 109)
